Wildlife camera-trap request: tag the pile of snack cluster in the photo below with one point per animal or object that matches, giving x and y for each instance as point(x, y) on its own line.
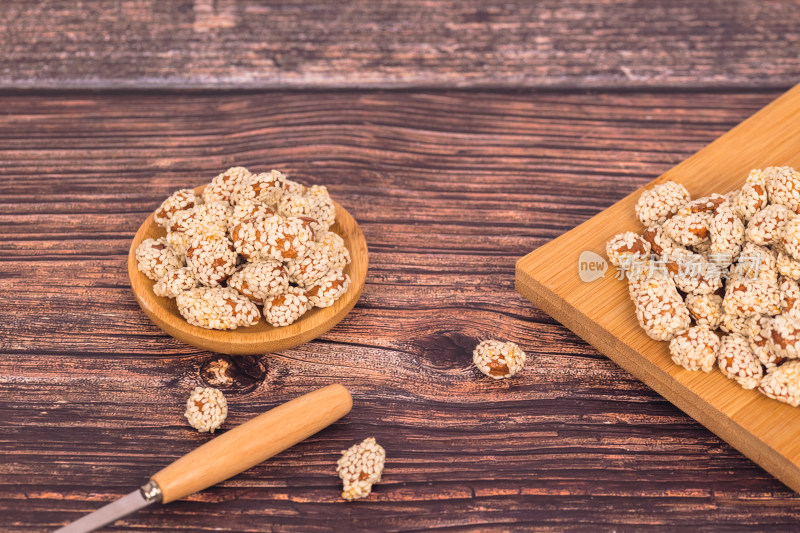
point(250, 240)
point(717, 278)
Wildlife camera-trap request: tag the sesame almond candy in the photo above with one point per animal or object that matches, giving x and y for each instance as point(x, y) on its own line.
point(733, 323)
point(753, 195)
point(695, 275)
point(222, 186)
point(217, 308)
point(266, 187)
point(733, 197)
point(292, 187)
point(726, 233)
point(333, 245)
point(249, 211)
point(658, 204)
point(767, 226)
point(783, 383)
point(689, 229)
point(791, 238)
point(738, 362)
point(498, 359)
point(783, 187)
point(755, 261)
point(326, 290)
point(759, 331)
point(784, 340)
point(660, 309)
point(206, 409)
point(260, 280)
point(179, 201)
point(275, 237)
point(286, 308)
point(622, 248)
point(745, 297)
point(211, 259)
point(695, 348)
point(706, 203)
point(660, 243)
point(175, 282)
point(706, 309)
point(322, 207)
point(155, 258)
point(360, 467)
point(204, 219)
point(790, 297)
point(305, 271)
point(788, 266)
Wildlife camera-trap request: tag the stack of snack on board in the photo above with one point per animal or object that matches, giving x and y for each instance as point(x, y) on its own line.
point(249, 242)
point(717, 277)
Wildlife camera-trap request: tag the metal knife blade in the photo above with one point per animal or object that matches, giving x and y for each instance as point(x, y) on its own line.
point(113, 511)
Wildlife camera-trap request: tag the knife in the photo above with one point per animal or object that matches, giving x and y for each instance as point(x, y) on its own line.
point(233, 452)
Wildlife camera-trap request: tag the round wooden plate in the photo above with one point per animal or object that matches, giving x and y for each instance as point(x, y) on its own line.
point(262, 337)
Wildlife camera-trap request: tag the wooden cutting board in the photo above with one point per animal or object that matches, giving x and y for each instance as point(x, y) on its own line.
point(766, 431)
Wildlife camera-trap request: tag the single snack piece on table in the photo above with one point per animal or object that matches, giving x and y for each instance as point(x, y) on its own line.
point(738, 362)
point(217, 308)
point(360, 467)
point(206, 409)
point(155, 258)
point(497, 359)
point(695, 349)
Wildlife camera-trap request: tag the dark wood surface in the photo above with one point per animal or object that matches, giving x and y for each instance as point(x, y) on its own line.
point(380, 43)
point(450, 189)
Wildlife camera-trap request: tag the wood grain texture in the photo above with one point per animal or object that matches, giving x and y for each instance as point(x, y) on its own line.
point(765, 430)
point(449, 189)
point(380, 44)
point(261, 337)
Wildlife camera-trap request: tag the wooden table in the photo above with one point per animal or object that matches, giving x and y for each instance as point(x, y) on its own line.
point(460, 136)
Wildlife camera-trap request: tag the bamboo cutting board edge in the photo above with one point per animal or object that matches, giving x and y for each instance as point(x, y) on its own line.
point(719, 413)
point(654, 377)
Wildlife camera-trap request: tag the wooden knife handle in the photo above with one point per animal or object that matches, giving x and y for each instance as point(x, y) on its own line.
point(253, 442)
